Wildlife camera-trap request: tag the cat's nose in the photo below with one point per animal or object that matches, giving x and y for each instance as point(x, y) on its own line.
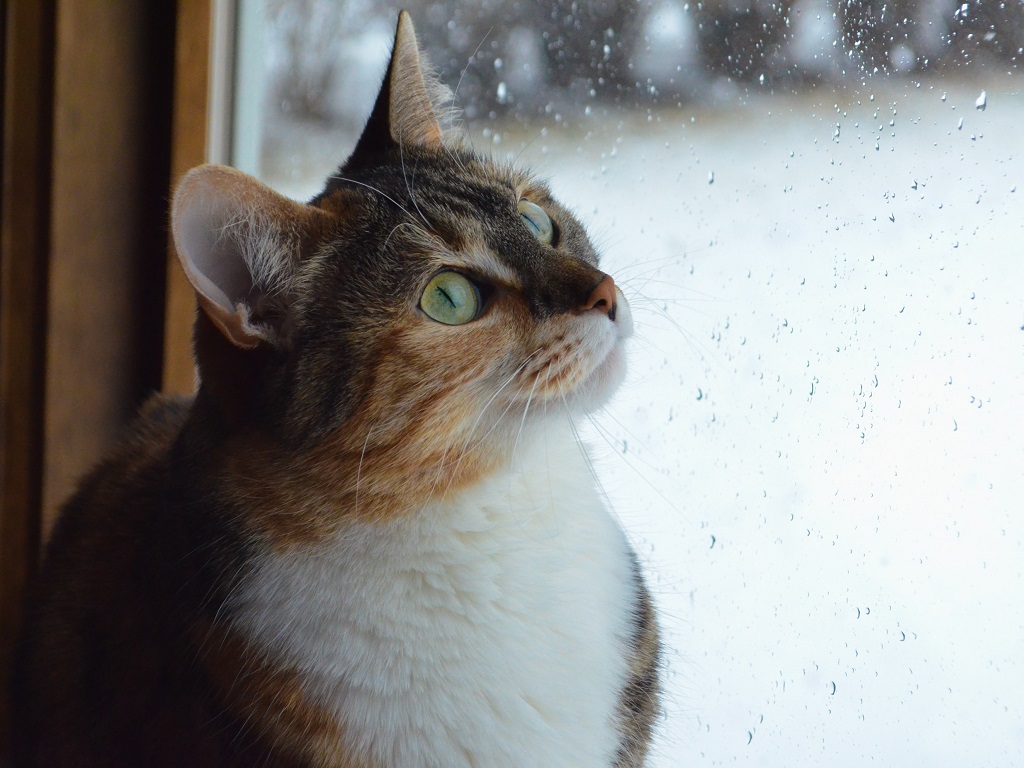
point(602, 298)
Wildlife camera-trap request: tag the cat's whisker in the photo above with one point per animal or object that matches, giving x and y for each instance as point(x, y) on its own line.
point(380, 192)
point(655, 264)
point(454, 112)
point(499, 390)
point(522, 421)
point(526, 410)
point(684, 302)
point(467, 440)
point(410, 188)
point(638, 301)
point(607, 437)
point(582, 447)
point(395, 229)
point(527, 145)
point(700, 350)
point(359, 469)
point(469, 61)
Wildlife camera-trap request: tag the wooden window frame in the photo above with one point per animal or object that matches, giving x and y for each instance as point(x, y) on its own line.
point(105, 106)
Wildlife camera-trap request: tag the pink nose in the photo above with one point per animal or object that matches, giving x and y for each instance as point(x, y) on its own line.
point(602, 298)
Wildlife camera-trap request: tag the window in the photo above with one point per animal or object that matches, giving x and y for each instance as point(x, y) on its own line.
point(816, 210)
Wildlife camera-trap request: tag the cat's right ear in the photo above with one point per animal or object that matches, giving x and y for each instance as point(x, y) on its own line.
point(239, 243)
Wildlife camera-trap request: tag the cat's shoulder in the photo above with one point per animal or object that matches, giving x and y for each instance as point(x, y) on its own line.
point(156, 426)
point(134, 468)
point(147, 442)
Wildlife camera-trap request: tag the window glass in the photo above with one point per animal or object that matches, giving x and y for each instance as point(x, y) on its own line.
point(817, 211)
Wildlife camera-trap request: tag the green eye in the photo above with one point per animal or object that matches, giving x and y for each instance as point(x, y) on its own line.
point(451, 299)
point(537, 221)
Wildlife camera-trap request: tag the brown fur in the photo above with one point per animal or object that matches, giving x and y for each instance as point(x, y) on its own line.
point(327, 396)
point(272, 700)
point(639, 707)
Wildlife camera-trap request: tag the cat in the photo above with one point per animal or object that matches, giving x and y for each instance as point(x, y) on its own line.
point(371, 538)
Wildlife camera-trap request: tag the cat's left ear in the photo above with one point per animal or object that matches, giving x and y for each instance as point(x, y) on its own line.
point(412, 103)
point(240, 244)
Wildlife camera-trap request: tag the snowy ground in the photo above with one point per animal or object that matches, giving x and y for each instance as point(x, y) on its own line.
point(820, 450)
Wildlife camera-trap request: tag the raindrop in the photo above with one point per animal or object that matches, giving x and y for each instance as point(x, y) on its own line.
point(833, 691)
point(960, 124)
point(981, 102)
point(713, 540)
point(711, 177)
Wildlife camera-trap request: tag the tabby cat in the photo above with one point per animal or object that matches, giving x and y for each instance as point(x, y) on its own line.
point(371, 539)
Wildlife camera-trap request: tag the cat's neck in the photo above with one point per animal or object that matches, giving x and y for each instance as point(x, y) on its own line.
point(304, 498)
point(449, 609)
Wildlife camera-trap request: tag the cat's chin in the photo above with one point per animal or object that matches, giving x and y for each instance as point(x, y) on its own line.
point(597, 389)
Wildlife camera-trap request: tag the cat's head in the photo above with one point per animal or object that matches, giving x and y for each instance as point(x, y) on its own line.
point(415, 315)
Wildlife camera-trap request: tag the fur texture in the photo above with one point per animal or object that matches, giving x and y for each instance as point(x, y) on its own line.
point(372, 538)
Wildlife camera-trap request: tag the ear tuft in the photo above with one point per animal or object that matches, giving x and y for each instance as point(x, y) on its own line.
point(413, 89)
point(239, 243)
point(413, 106)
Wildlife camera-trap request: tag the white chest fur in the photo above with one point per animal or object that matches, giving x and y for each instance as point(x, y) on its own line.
point(491, 631)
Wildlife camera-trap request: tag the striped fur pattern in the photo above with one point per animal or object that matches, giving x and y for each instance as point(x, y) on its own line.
point(371, 539)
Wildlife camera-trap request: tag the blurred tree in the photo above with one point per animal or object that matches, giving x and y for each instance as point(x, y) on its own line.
point(743, 41)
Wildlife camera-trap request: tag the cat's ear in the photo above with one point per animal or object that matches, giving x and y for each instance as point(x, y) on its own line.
point(412, 102)
point(239, 243)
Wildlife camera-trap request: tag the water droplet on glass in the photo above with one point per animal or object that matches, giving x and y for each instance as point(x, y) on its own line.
point(711, 177)
point(833, 691)
point(960, 124)
point(980, 102)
